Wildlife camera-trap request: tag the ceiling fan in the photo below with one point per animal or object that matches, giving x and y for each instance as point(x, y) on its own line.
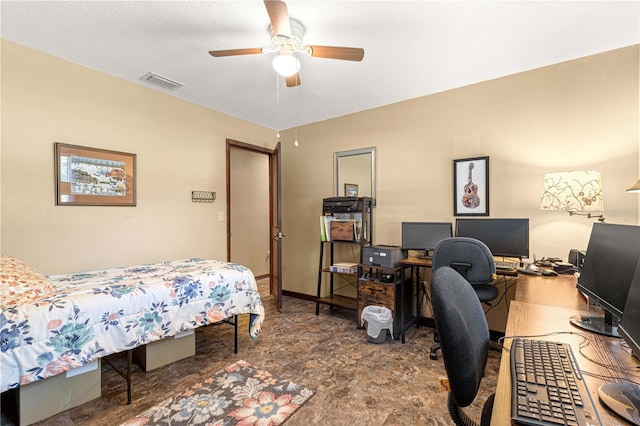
point(286, 38)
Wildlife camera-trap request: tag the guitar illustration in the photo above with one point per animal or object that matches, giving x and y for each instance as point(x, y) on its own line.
point(470, 199)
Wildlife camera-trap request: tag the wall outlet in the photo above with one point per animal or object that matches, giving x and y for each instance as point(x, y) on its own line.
point(443, 384)
point(221, 216)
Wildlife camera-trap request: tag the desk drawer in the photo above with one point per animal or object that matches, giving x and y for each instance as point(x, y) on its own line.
point(376, 293)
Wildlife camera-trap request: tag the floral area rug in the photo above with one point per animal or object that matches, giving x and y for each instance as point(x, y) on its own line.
point(238, 395)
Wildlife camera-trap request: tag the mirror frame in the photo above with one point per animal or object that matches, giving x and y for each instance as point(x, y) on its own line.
point(374, 168)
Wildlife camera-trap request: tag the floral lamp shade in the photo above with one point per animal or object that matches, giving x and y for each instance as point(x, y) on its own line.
point(575, 191)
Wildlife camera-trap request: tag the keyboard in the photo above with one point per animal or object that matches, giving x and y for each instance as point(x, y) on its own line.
point(505, 265)
point(547, 386)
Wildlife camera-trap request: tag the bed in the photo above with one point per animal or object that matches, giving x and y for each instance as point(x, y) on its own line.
point(49, 325)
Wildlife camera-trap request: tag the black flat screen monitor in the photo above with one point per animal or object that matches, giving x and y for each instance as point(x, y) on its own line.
point(606, 275)
point(629, 328)
point(624, 398)
point(504, 237)
point(424, 235)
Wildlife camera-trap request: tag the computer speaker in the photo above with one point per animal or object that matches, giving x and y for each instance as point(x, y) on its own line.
point(576, 258)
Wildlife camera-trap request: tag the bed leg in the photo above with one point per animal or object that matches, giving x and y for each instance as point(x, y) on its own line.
point(235, 334)
point(129, 364)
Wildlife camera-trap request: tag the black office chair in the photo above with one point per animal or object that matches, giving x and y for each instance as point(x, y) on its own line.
point(473, 260)
point(464, 337)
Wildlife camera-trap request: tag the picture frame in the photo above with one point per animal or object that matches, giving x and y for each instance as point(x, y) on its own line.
point(350, 190)
point(471, 186)
point(88, 176)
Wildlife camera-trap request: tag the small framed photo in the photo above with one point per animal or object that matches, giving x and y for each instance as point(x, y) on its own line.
point(350, 190)
point(94, 177)
point(471, 187)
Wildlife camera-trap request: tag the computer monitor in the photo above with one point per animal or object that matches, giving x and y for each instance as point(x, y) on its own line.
point(624, 397)
point(629, 327)
point(606, 275)
point(424, 235)
point(504, 237)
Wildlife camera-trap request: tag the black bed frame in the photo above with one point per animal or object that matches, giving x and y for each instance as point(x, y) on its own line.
point(126, 374)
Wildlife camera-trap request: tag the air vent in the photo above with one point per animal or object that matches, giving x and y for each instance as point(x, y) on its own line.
point(161, 81)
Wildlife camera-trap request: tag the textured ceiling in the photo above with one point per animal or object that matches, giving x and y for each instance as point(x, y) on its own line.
point(412, 49)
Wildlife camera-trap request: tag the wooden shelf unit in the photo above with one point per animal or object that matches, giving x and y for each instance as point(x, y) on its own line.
point(363, 212)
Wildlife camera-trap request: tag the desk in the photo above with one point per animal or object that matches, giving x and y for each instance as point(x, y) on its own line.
point(421, 262)
point(554, 301)
point(557, 291)
point(496, 311)
point(415, 264)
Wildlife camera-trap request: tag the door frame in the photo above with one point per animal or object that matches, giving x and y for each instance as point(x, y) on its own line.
point(233, 144)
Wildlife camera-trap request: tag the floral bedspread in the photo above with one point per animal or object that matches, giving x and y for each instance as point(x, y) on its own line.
point(98, 313)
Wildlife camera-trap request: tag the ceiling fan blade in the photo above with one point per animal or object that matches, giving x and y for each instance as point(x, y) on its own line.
point(235, 52)
point(293, 80)
point(334, 52)
point(279, 17)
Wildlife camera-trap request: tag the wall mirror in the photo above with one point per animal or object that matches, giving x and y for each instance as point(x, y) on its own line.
point(355, 173)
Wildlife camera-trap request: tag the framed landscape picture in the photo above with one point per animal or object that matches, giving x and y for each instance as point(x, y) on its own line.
point(350, 190)
point(471, 187)
point(94, 177)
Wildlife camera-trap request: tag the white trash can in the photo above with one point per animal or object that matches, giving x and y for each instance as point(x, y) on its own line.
point(379, 323)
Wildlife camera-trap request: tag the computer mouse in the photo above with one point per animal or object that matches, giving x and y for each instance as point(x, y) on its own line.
point(623, 399)
point(549, 273)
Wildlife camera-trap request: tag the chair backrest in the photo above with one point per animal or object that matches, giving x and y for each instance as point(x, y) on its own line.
point(463, 331)
point(470, 257)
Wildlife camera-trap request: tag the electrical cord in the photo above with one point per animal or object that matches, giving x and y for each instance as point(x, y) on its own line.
point(353, 253)
point(605, 377)
point(585, 343)
point(425, 298)
point(514, 281)
point(504, 295)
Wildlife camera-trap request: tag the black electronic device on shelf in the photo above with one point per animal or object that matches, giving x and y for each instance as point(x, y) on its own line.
point(334, 205)
point(383, 255)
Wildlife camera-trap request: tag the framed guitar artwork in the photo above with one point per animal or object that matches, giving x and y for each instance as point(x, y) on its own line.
point(471, 187)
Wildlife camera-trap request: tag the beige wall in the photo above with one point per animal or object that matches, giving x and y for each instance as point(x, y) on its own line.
point(581, 114)
point(575, 115)
point(180, 147)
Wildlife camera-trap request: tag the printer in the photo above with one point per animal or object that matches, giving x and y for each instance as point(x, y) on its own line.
point(383, 256)
point(333, 205)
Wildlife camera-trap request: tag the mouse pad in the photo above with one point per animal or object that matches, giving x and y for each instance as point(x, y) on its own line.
point(623, 399)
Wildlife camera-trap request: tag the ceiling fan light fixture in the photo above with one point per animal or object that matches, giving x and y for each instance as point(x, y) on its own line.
point(286, 64)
